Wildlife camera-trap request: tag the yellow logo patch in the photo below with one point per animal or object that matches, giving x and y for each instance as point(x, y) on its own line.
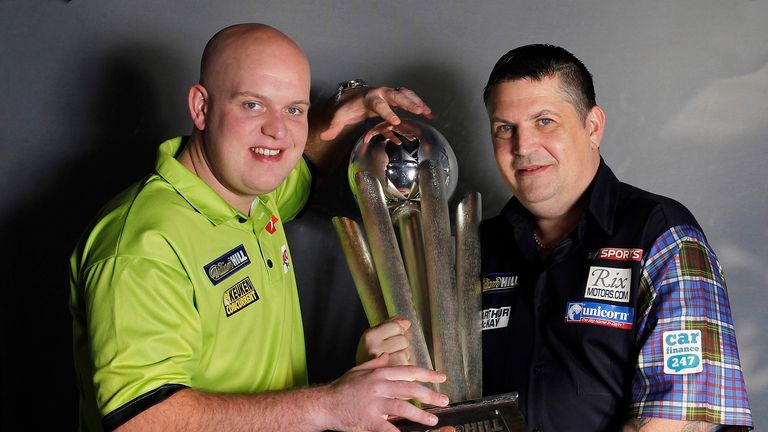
point(239, 296)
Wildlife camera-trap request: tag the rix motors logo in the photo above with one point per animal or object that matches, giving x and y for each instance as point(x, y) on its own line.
point(227, 264)
point(608, 283)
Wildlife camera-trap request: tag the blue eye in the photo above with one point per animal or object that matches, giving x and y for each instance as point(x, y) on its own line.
point(545, 121)
point(504, 130)
point(252, 105)
point(295, 111)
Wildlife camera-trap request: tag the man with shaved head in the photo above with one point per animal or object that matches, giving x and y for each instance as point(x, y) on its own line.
point(186, 313)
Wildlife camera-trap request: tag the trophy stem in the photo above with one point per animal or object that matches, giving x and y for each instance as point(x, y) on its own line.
point(360, 263)
point(468, 216)
point(436, 227)
point(407, 218)
point(389, 262)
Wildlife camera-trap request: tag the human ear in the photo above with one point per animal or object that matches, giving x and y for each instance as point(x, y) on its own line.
point(595, 124)
point(198, 105)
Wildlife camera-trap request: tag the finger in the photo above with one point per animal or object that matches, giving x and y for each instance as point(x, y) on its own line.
point(408, 99)
point(411, 373)
point(395, 343)
point(381, 108)
point(403, 323)
point(406, 410)
point(376, 363)
point(381, 425)
point(405, 390)
point(394, 327)
point(401, 358)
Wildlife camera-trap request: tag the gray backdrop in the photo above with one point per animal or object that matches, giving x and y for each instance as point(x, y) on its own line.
point(89, 88)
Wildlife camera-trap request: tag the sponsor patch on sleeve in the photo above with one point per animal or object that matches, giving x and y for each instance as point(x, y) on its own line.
point(499, 281)
point(682, 352)
point(494, 318)
point(239, 296)
point(608, 283)
point(601, 314)
point(227, 264)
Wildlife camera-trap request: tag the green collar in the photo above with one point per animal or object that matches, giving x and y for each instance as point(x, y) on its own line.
point(196, 192)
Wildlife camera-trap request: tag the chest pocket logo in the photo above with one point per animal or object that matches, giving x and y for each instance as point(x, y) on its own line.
point(239, 296)
point(227, 264)
point(608, 283)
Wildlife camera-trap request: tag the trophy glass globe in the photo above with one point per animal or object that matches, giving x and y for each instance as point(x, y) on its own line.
point(396, 165)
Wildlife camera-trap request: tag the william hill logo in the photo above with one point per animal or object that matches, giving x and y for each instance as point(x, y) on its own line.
point(227, 264)
point(499, 281)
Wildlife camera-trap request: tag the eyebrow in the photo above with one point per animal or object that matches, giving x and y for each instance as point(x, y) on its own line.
point(544, 112)
point(260, 96)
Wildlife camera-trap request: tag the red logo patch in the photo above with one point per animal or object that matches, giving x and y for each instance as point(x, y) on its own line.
point(619, 254)
point(270, 227)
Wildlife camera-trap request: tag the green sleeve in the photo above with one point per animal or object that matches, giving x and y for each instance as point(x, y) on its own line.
point(145, 331)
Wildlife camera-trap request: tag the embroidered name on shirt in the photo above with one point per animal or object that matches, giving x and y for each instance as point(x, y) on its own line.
point(599, 314)
point(499, 281)
point(227, 264)
point(494, 318)
point(270, 226)
point(682, 352)
point(608, 283)
point(239, 296)
point(620, 254)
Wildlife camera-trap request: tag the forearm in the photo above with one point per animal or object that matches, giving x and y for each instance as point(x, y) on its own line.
point(665, 425)
point(187, 410)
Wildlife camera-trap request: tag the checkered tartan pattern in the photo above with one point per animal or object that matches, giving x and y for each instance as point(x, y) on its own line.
point(682, 287)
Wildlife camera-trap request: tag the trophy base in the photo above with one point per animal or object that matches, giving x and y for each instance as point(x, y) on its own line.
point(490, 414)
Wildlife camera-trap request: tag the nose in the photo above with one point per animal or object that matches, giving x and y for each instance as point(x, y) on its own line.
point(524, 142)
point(274, 125)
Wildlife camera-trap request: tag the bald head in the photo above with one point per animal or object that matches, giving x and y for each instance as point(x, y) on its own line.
point(233, 42)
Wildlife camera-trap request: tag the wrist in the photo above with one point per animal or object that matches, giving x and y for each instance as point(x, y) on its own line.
point(346, 86)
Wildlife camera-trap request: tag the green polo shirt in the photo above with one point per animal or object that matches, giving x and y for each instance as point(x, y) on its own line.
point(174, 288)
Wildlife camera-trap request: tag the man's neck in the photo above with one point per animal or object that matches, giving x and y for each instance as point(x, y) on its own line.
point(550, 230)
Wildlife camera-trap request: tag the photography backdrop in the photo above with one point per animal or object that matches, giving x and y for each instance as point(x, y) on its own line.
point(88, 89)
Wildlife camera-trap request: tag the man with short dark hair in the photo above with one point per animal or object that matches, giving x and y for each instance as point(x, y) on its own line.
point(186, 312)
point(603, 305)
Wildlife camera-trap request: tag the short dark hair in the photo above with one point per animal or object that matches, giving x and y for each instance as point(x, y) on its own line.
point(540, 61)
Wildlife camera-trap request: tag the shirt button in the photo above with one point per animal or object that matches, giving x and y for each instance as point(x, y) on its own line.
point(242, 219)
point(269, 263)
point(537, 370)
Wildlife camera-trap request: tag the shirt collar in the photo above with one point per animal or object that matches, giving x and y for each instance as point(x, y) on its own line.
point(603, 197)
point(197, 193)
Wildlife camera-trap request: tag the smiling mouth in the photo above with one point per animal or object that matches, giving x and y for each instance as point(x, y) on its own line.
point(265, 151)
point(530, 170)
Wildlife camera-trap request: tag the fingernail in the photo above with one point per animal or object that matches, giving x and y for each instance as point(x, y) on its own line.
point(432, 419)
point(444, 400)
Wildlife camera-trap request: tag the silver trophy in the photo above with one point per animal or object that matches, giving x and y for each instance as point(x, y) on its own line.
point(411, 266)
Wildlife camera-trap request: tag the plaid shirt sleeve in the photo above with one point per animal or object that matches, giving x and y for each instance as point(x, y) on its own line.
point(682, 287)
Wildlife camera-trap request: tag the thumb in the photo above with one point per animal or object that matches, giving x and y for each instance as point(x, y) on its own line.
point(376, 363)
point(334, 129)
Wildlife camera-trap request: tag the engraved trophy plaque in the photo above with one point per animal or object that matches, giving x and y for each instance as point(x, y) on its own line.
point(491, 414)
